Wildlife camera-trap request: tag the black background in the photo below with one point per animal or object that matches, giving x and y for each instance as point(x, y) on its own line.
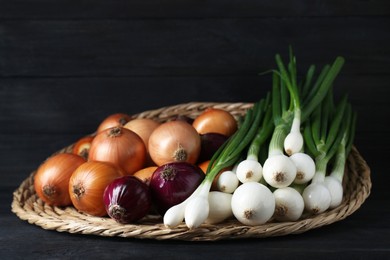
point(66, 65)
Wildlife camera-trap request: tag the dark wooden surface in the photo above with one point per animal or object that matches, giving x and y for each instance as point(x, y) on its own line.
point(65, 65)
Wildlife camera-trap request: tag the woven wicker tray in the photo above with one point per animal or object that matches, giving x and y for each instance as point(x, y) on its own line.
point(27, 206)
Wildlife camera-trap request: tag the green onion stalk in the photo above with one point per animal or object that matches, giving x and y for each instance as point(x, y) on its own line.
point(334, 180)
point(292, 104)
point(324, 133)
point(251, 169)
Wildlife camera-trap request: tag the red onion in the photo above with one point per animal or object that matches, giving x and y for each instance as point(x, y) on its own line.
point(172, 183)
point(210, 143)
point(127, 199)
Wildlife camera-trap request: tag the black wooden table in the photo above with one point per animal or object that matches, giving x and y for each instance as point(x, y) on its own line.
point(65, 65)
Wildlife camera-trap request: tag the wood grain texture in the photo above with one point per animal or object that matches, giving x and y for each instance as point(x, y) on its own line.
point(64, 65)
point(112, 48)
point(155, 9)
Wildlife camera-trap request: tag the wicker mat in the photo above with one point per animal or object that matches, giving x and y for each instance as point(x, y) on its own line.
point(27, 206)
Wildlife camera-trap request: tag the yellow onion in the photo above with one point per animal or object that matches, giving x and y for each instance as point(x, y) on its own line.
point(214, 120)
point(113, 120)
point(174, 141)
point(81, 147)
point(121, 147)
point(87, 185)
point(52, 178)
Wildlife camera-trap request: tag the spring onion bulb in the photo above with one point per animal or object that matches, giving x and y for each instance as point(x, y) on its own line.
point(306, 167)
point(197, 209)
point(289, 204)
point(220, 207)
point(251, 169)
point(294, 140)
point(253, 203)
point(316, 197)
point(227, 182)
point(279, 171)
point(335, 190)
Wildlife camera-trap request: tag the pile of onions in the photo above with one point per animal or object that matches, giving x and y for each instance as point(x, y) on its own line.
point(214, 120)
point(172, 183)
point(113, 120)
point(127, 199)
point(52, 178)
point(121, 147)
point(174, 141)
point(87, 185)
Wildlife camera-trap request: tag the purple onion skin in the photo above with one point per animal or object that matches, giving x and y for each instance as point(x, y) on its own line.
point(172, 183)
point(127, 199)
point(210, 143)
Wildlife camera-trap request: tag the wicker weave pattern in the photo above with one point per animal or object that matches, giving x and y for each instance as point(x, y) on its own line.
point(27, 206)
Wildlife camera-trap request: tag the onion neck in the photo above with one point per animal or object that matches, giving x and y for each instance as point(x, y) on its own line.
point(277, 141)
point(321, 165)
point(339, 163)
point(115, 131)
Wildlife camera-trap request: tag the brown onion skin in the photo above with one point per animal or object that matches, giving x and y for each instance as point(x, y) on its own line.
point(82, 146)
point(113, 120)
point(214, 120)
point(143, 127)
point(145, 174)
point(52, 178)
point(127, 199)
point(121, 147)
point(174, 141)
point(87, 185)
point(172, 183)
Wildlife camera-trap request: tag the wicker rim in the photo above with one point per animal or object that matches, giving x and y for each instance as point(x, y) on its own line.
point(27, 206)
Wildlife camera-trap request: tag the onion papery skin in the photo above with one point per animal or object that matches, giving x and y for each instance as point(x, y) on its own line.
point(127, 199)
point(174, 141)
point(121, 147)
point(145, 174)
point(214, 120)
point(113, 120)
point(210, 142)
point(52, 178)
point(87, 185)
point(82, 146)
point(174, 182)
point(143, 127)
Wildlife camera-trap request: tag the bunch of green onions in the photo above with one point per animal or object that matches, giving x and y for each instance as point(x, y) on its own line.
point(293, 161)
